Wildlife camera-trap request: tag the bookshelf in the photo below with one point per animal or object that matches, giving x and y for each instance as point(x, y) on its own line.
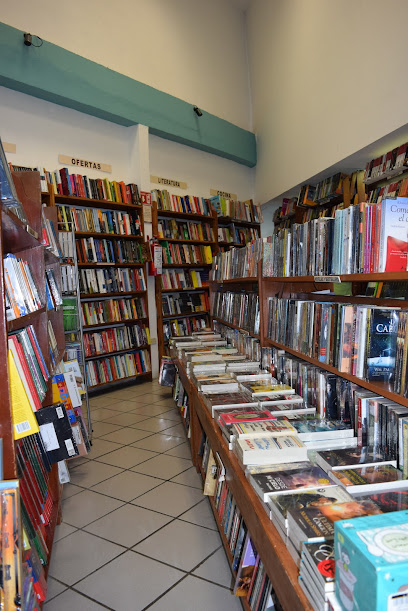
point(111, 253)
point(22, 241)
point(191, 300)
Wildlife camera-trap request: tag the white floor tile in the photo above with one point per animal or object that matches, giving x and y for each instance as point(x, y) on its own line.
point(171, 499)
point(128, 525)
point(126, 436)
point(126, 457)
point(189, 478)
point(100, 447)
point(200, 514)
point(79, 554)
point(92, 473)
point(103, 428)
point(125, 419)
point(63, 530)
point(180, 544)
point(193, 593)
point(87, 507)
point(69, 490)
point(72, 601)
point(102, 413)
point(127, 486)
point(155, 425)
point(163, 466)
point(216, 568)
point(159, 442)
point(182, 451)
point(54, 588)
point(130, 582)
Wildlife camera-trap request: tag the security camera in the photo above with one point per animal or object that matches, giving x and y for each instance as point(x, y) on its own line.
point(197, 111)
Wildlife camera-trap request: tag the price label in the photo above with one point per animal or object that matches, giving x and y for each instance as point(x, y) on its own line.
point(335, 279)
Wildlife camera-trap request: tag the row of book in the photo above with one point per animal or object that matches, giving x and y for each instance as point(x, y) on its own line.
point(98, 221)
point(238, 309)
point(184, 303)
point(118, 367)
point(52, 290)
point(78, 185)
point(363, 238)
point(185, 254)
point(69, 279)
point(94, 250)
point(326, 189)
point(115, 339)
point(182, 327)
point(237, 262)
point(171, 229)
point(49, 236)
point(251, 581)
point(399, 188)
point(384, 166)
point(366, 341)
point(20, 289)
point(244, 343)
point(184, 279)
point(113, 310)
point(232, 234)
point(108, 280)
point(188, 204)
point(181, 400)
point(241, 211)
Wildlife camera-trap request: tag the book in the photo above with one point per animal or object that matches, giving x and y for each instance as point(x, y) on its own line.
point(269, 450)
point(308, 524)
point(310, 430)
point(382, 345)
point(288, 480)
point(320, 559)
point(23, 419)
point(349, 457)
point(262, 428)
point(246, 568)
point(393, 500)
point(393, 237)
point(374, 478)
point(264, 387)
point(56, 432)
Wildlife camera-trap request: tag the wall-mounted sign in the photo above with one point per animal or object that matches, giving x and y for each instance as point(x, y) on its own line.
point(84, 164)
point(147, 213)
point(169, 182)
point(146, 198)
point(225, 194)
point(9, 147)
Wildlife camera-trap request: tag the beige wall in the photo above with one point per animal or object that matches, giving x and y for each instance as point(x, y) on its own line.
point(327, 79)
point(191, 49)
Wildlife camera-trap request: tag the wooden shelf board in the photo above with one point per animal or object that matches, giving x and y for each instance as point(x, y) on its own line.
point(178, 241)
point(114, 323)
point(184, 215)
point(73, 200)
point(92, 296)
point(97, 234)
point(118, 380)
point(185, 290)
point(115, 352)
point(372, 277)
point(228, 324)
point(249, 280)
point(386, 176)
point(101, 265)
point(24, 321)
point(228, 220)
point(377, 388)
point(186, 315)
point(50, 258)
point(15, 234)
point(178, 265)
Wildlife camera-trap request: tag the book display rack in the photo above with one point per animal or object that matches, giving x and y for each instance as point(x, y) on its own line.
point(189, 242)
point(238, 222)
point(37, 339)
point(111, 253)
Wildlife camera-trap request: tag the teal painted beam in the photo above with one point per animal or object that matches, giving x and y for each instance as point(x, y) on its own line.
point(57, 75)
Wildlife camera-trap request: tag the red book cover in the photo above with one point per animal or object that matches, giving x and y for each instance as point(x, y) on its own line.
point(138, 362)
point(237, 417)
point(37, 353)
point(27, 374)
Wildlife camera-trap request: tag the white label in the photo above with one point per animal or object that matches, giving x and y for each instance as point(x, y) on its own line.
point(225, 194)
point(169, 182)
point(49, 437)
point(84, 164)
point(76, 433)
point(70, 447)
point(335, 279)
point(147, 213)
point(59, 411)
point(22, 427)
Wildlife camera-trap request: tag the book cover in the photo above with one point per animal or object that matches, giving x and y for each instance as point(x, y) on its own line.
point(281, 503)
point(245, 416)
point(320, 555)
point(309, 430)
point(289, 480)
point(309, 524)
point(382, 345)
point(349, 457)
point(370, 478)
point(394, 235)
point(56, 432)
point(246, 568)
point(393, 500)
point(261, 428)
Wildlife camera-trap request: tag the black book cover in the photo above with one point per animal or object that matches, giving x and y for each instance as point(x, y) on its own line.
point(382, 345)
point(56, 432)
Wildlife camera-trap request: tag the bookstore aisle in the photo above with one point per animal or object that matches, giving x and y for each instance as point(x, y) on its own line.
point(137, 532)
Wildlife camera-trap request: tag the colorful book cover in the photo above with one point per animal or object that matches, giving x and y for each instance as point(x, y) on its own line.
point(281, 503)
point(321, 558)
point(246, 568)
point(382, 345)
point(366, 476)
point(350, 509)
point(245, 416)
point(348, 457)
point(289, 480)
point(394, 235)
point(272, 427)
point(322, 429)
point(393, 500)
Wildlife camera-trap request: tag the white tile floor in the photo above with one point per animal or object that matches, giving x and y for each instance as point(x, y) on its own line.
point(137, 532)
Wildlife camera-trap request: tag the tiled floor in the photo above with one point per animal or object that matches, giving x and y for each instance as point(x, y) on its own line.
point(137, 532)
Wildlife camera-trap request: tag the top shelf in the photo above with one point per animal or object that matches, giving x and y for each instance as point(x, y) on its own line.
point(224, 220)
point(93, 203)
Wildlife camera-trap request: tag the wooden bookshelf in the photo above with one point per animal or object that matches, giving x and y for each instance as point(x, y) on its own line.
point(231, 326)
point(279, 565)
point(128, 321)
point(131, 209)
point(211, 220)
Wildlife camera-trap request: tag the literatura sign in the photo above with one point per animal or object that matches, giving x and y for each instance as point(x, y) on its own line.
point(85, 164)
point(169, 182)
point(225, 194)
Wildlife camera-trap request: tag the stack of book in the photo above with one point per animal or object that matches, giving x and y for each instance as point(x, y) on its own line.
point(20, 288)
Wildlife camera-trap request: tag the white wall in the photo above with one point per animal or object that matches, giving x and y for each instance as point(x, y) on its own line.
point(327, 79)
point(191, 49)
point(201, 171)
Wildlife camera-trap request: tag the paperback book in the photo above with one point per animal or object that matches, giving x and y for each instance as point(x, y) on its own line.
point(288, 481)
point(350, 457)
point(370, 479)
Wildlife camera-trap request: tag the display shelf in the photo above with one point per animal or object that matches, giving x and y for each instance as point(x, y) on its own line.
point(279, 565)
point(115, 352)
point(16, 235)
point(73, 200)
point(184, 315)
point(228, 324)
point(180, 241)
point(116, 323)
point(119, 380)
point(375, 387)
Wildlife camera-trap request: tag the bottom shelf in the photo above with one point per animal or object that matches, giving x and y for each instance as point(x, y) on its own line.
point(119, 381)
